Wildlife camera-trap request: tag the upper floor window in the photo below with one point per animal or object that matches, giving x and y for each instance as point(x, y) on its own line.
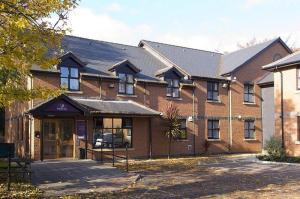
point(69, 78)
point(277, 56)
point(249, 129)
point(173, 88)
point(213, 91)
point(213, 129)
point(126, 84)
point(248, 93)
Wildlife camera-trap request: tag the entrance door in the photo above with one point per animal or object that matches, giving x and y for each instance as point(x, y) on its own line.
point(58, 138)
point(66, 142)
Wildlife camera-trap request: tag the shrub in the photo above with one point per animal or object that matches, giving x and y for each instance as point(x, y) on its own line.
point(274, 149)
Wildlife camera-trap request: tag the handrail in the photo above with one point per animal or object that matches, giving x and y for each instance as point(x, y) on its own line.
point(114, 156)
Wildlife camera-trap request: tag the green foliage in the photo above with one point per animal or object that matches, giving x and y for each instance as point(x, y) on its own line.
point(173, 123)
point(27, 34)
point(274, 149)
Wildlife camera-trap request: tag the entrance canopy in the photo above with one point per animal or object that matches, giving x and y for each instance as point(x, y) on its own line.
point(64, 105)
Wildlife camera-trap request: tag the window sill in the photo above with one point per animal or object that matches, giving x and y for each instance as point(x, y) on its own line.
point(75, 92)
point(214, 140)
point(174, 98)
point(119, 149)
point(124, 95)
point(250, 103)
point(249, 140)
point(214, 101)
point(182, 140)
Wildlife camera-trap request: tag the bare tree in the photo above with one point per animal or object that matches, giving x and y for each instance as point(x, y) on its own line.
point(250, 43)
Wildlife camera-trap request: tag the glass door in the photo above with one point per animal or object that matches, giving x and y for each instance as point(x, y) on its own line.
point(50, 142)
point(66, 138)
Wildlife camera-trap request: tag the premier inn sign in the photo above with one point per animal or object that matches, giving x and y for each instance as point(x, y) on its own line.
point(61, 106)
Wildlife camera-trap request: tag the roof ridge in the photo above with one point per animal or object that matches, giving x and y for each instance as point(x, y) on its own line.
point(143, 40)
point(84, 38)
point(273, 40)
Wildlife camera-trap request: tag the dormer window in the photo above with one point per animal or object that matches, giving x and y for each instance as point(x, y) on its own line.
point(173, 88)
point(69, 78)
point(126, 84)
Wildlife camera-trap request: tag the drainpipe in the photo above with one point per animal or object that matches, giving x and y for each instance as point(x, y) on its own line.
point(281, 107)
point(150, 138)
point(230, 116)
point(194, 119)
point(100, 87)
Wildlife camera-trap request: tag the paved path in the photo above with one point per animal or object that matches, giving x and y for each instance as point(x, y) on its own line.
point(78, 176)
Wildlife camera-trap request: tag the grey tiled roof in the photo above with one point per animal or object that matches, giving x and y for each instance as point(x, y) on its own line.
point(195, 62)
point(290, 59)
point(100, 56)
point(236, 59)
point(267, 78)
point(115, 107)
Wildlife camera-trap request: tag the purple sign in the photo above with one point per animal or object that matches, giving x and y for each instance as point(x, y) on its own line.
point(61, 106)
point(81, 129)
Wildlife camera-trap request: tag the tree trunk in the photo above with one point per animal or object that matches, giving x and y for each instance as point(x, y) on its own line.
point(169, 152)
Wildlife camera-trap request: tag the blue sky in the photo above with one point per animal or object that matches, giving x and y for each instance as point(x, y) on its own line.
point(205, 24)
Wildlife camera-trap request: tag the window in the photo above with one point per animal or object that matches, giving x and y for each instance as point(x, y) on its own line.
point(126, 84)
point(69, 78)
point(213, 129)
point(213, 91)
point(109, 132)
point(276, 57)
point(298, 78)
point(183, 134)
point(248, 93)
point(249, 129)
point(173, 88)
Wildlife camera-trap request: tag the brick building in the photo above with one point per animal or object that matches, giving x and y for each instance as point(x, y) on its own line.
point(116, 95)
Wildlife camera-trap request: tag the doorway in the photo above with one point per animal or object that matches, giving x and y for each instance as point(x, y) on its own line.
point(58, 138)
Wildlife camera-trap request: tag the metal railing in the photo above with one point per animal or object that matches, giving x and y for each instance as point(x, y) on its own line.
point(113, 155)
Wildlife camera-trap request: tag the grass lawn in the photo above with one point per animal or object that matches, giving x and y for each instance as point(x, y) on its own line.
point(19, 189)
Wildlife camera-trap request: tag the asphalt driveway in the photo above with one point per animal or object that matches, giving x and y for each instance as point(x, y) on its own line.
point(65, 177)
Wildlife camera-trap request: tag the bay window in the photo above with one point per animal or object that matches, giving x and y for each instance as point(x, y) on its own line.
point(109, 132)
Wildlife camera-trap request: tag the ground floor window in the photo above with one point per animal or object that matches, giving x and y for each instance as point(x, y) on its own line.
point(213, 129)
point(109, 132)
point(298, 130)
point(183, 133)
point(249, 129)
